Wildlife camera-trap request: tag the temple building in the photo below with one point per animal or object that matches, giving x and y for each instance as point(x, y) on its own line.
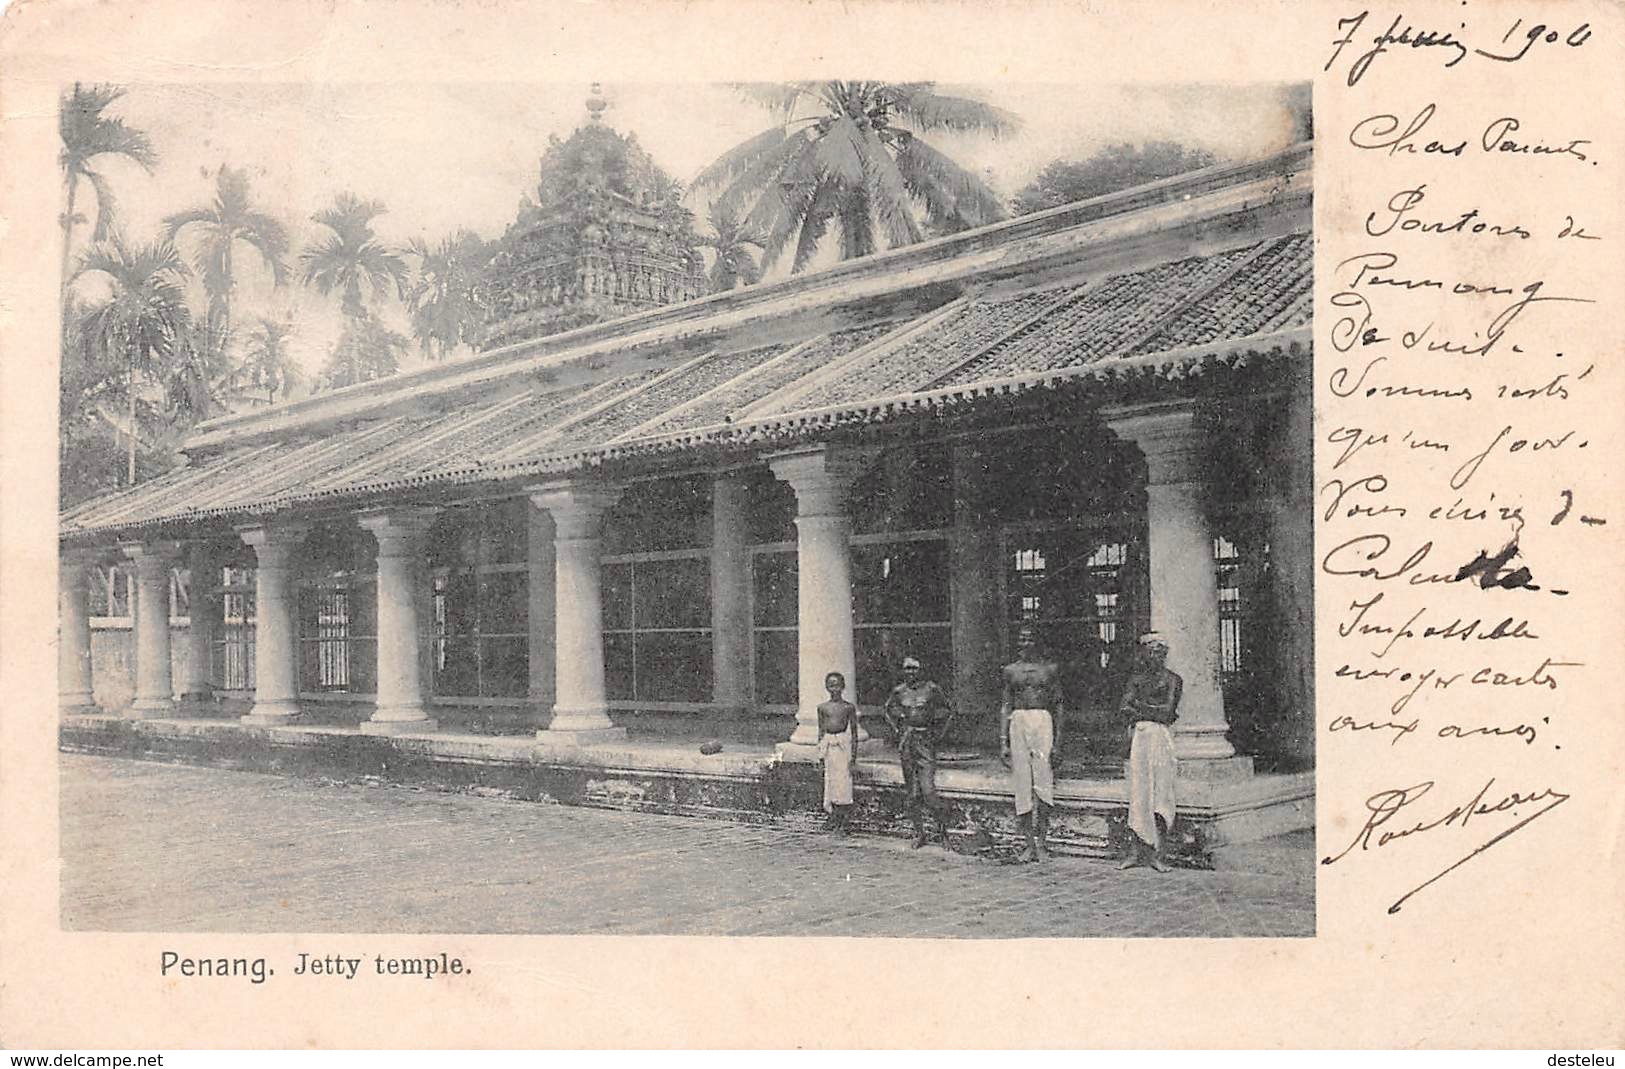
point(607, 235)
point(641, 518)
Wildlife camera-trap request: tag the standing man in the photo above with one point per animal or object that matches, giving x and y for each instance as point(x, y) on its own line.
point(1030, 728)
point(917, 711)
point(1151, 704)
point(838, 743)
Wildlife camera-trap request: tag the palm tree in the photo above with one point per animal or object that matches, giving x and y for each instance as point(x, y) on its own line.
point(350, 258)
point(267, 363)
point(731, 243)
point(220, 226)
point(855, 165)
point(368, 349)
point(445, 313)
point(144, 319)
point(200, 382)
point(88, 134)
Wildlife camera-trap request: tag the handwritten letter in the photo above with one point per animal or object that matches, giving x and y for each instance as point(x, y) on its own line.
point(1468, 384)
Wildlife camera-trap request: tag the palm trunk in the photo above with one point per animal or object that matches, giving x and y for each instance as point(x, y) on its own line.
point(225, 304)
point(131, 428)
point(67, 230)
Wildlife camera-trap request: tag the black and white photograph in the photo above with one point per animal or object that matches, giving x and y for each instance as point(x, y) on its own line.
point(836, 526)
point(848, 508)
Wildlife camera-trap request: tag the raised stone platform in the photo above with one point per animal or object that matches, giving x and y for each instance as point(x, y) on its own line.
point(745, 782)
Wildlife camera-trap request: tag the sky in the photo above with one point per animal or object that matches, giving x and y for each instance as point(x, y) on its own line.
point(445, 156)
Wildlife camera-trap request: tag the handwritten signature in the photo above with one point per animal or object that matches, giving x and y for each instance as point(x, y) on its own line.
point(1385, 806)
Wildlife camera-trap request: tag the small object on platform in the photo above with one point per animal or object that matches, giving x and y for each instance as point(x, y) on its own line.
point(711, 746)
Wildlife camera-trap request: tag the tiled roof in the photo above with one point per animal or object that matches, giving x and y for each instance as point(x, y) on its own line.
point(765, 379)
point(1270, 293)
point(678, 387)
point(1095, 322)
point(920, 360)
point(1167, 324)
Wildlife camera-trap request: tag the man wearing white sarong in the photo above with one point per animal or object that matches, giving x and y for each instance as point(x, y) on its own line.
point(1151, 704)
point(1031, 717)
point(837, 741)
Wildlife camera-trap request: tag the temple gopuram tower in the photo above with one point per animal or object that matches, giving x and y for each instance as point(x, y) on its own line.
point(606, 236)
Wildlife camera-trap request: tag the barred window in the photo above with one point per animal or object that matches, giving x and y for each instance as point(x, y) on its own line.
point(776, 656)
point(480, 583)
point(657, 627)
point(110, 588)
point(337, 610)
point(1079, 589)
point(231, 665)
point(900, 605)
point(1240, 560)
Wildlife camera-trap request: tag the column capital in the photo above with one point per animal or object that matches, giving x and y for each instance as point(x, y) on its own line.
point(1169, 438)
point(576, 507)
point(275, 534)
point(151, 555)
point(821, 476)
point(397, 530)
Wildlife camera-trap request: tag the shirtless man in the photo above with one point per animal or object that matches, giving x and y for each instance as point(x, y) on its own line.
point(918, 713)
point(1030, 734)
point(837, 741)
point(1151, 705)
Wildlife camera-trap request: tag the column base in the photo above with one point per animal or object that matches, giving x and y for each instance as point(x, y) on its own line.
point(1202, 743)
point(270, 714)
point(399, 727)
point(1216, 770)
point(148, 708)
point(581, 736)
point(798, 752)
point(76, 703)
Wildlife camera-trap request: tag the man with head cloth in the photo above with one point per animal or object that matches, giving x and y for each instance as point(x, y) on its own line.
point(917, 711)
point(1030, 720)
point(1151, 704)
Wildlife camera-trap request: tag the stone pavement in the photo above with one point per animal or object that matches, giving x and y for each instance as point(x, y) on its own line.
point(158, 847)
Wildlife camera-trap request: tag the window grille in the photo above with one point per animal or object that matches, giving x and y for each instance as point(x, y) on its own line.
point(232, 664)
point(480, 608)
point(901, 608)
point(110, 590)
point(776, 656)
point(1077, 587)
point(657, 627)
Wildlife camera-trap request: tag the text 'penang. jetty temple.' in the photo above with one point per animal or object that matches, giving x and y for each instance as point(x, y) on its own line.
point(554, 568)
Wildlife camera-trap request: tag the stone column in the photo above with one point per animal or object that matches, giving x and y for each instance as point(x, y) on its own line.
point(824, 583)
point(580, 708)
point(1292, 567)
point(1184, 588)
point(276, 674)
point(978, 609)
point(74, 682)
point(154, 687)
point(203, 563)
point(730, 595)
point(542, 566)
point(399, 703)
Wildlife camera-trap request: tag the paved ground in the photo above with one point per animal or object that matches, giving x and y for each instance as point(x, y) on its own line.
point(162, 847)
